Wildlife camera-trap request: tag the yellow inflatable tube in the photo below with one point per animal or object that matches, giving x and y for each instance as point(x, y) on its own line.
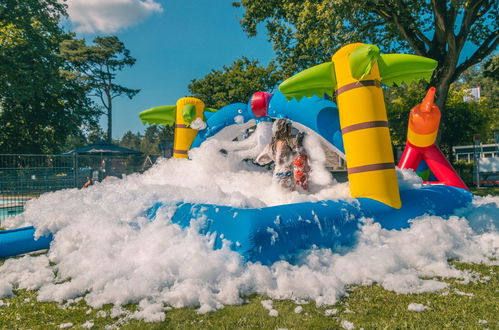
point(366, 137)
point(184, 135)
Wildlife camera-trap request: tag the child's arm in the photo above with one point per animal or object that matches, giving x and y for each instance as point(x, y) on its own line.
point(266, 156)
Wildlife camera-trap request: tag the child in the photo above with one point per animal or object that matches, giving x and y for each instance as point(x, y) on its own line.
point(301, 168)
point(280, 150)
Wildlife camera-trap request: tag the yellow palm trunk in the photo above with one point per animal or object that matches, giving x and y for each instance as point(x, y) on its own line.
point(184, 135)
point(363, 120)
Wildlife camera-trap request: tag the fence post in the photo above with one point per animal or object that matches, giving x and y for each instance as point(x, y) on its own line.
point(75, 164)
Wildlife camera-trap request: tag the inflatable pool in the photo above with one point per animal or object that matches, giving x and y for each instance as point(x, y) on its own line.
point(356, 129)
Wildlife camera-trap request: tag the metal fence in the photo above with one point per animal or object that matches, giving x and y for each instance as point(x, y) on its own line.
point(23, 177)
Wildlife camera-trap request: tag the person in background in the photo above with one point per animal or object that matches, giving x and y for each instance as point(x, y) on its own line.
point(87, 183)
point(280, 150)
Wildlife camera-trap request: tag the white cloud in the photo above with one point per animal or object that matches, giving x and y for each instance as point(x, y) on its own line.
point(108, 16)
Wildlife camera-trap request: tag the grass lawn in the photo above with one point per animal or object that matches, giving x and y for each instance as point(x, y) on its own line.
point(462, 305)
point(483, 191)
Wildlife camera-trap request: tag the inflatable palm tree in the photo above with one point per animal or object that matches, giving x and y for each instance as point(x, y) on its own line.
point(356, 73)
point(180, 116)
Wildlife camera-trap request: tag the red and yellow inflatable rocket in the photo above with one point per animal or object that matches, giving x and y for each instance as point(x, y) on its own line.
point(422, 132)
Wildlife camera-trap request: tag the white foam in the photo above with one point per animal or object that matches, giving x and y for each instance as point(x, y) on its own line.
point(268, 305)
point(329, 312)
point(198, 124)
point(88, 325)
point(408, 179)
point(347, 325)
point(5, 290)
point(415, 307)
point(105, 250)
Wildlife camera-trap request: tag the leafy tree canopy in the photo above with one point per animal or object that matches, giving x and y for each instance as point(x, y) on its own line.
point(40, 107)
point(308, 32)
point(149, 143)
point(234, 83)
point(97, 65)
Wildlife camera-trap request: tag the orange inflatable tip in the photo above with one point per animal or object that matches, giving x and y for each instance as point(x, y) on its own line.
point(427, 103)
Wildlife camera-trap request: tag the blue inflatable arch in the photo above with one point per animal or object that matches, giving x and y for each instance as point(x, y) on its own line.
point(313, 115)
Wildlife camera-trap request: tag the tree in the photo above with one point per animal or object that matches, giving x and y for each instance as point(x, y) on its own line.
point(40, 104)
point(234, 83)
point(150, 141)
point(85, 137)
point(485, 76)
point(98, 66)
point(308, 32)
point(131, 140)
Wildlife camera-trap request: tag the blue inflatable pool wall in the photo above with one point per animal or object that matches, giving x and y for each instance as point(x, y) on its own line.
point(277, 233)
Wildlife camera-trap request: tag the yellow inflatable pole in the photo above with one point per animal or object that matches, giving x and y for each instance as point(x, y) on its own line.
point(180, 116)
point(366, 137)
point(356, 73)
point(183, 134)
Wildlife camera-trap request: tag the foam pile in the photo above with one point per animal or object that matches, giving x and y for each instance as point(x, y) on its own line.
point(107, 251)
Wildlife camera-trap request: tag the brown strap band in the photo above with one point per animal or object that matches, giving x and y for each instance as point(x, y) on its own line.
point(371, 167)
point(181, 126)
point(367, 124)
point(183, 152)
point(358, 84)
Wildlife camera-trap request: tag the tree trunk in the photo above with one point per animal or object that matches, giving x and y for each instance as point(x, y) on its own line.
point(442, 94)
point(109, 120)
point(441, 80)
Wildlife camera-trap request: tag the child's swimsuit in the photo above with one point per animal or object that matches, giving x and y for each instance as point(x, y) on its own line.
point(301, 170)
point(283, 163)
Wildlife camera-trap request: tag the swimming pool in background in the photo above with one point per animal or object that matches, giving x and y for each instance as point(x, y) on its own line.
point(11, 206)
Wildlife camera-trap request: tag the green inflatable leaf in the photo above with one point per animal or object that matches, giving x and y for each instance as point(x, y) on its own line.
point(189, 113)
point(362, 60)
point(162, 115)
point(404, 68)
point(317, 80)
point(210, 110)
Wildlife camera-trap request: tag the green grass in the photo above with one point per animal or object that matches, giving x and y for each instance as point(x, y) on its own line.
point(368, 307)
point(484, 191)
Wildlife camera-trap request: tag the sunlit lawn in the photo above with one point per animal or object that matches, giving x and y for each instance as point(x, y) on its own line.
point(462, 305)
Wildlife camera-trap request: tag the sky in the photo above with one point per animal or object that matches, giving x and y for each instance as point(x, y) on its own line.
point(174, 42)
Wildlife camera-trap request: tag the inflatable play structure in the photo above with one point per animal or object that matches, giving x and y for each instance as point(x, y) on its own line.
point(356, 129)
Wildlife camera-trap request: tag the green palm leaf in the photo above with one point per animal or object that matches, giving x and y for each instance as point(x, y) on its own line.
point(404, 68)
point(189, 113)
point(162, 115)
point(317, 80)
point(362, 60)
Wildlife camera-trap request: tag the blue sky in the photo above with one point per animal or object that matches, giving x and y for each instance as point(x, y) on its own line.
point(174, 42)
point(184, 41)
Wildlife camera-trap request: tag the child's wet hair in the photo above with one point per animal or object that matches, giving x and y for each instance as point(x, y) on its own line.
point(282, 129)
point(299, 139)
